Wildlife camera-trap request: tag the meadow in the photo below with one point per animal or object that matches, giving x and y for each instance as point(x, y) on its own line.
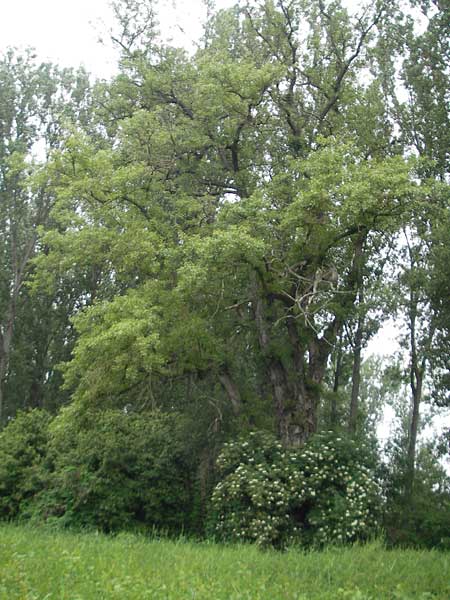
point(42, 564)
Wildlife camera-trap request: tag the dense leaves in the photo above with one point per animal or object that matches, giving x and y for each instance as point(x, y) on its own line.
point(23, 448)
point(110, 470)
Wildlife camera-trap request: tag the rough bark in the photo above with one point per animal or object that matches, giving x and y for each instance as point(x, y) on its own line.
point(416, 388)
point(296, 398)
point(296, 392)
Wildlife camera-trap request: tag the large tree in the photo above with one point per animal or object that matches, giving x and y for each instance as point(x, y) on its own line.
point(232, 205)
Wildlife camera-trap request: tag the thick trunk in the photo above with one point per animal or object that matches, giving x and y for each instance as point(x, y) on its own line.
point(295, 406)
point(299, 424)
point(295, 395)
point(283, 397)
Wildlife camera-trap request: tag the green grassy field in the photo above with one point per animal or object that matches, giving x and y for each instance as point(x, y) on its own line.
point(38, 564)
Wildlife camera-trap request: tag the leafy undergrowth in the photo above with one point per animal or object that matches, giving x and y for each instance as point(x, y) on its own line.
point(39, 564)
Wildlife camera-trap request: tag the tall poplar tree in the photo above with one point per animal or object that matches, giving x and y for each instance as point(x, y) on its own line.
point(36, 99)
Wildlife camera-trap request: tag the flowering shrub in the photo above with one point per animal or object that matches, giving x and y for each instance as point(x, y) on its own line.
point(321, 493)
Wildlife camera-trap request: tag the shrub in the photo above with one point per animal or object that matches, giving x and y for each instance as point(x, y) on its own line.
point(23, 445)
point(321, 493)
point(422, 519)
point(111, 470)
point(423, 522)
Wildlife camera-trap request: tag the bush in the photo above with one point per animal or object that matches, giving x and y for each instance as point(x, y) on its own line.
point(111, 470)
point(23, 445)
point(321, 493)
point(421, 520)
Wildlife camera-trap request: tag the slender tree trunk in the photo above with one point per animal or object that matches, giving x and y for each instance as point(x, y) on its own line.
point(417, 371)
point(3, 369)
point(336, 383)
point(232, 391)
point(358, 265)
point(6, 335)
point(356, 375)
point(412, 439)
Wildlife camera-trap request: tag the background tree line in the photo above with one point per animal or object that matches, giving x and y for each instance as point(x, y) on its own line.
point(204, 246)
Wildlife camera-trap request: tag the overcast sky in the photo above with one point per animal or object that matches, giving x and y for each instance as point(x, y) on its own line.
point(67, 31)
point(60, 30)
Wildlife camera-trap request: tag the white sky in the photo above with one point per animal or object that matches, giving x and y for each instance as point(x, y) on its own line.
point(60, 30)
point(67, 31)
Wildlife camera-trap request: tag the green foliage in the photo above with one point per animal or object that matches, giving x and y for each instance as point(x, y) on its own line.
point(38, 101)
point(126, 329)
point(321, 493)
point(423, 521)
point(209, 233)
point(23, 445)
point(438, 286)
point(112, 470)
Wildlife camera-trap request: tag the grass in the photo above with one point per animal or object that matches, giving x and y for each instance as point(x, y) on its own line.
point(40, 564)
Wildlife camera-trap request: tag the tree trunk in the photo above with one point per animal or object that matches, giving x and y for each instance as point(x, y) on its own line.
point(358, 265)
point(417, 371)
point(412, 439)
point(282, 394)
point(232, 391)
point(296, 399)
point(3, 369)
point(356, 376)
point(297, 395)
point(6, 334)
point(336, 383)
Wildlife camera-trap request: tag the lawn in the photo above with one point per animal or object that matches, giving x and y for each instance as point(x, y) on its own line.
point(40, 564)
